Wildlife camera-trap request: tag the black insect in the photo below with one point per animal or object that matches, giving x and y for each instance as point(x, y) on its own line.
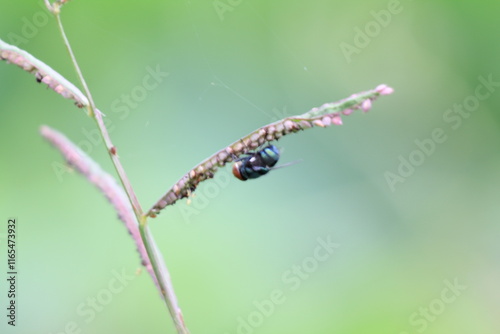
point(256, 164)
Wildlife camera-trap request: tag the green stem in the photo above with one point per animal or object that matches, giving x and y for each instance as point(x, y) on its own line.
point(165, 284)
point(97, 115)
point(161, 273)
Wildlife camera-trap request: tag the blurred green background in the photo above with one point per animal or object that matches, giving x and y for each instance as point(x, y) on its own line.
point(419, 256)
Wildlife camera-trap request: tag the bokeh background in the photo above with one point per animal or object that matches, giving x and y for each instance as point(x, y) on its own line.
point(419, 256)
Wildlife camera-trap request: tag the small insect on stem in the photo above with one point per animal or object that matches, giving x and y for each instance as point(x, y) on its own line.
point(256, 164)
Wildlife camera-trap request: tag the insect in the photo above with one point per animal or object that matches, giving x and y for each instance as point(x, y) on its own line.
point(256, 164)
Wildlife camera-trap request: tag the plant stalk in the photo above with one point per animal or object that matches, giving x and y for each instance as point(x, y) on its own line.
point(160, 270)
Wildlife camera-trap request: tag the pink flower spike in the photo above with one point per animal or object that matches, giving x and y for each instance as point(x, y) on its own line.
point(317, 122)
point(384, 89)
point(337, 120)
point(326, 121)
point(366, 105)
point(347, 112)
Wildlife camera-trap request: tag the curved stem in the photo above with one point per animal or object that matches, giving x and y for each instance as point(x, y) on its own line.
point(323, 116)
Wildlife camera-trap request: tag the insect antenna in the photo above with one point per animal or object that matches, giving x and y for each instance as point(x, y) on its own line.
point(287, 164)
